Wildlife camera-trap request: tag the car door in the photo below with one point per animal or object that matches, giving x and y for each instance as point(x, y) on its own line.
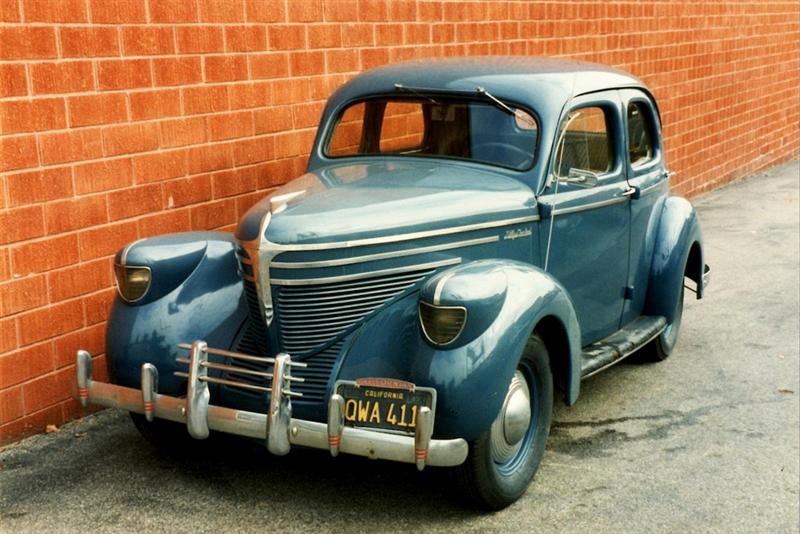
point(646, 169)
point(588, 233)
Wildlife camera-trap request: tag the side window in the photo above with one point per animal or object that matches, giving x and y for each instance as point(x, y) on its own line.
point(586, 145)
point(640, 142)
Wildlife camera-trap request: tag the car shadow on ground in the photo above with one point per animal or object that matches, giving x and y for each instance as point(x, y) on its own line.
point(243, 470)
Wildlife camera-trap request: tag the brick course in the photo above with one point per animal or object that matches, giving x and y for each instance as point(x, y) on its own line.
point(124, 119)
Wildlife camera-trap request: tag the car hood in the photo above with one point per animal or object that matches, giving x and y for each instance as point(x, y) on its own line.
point(359, 201)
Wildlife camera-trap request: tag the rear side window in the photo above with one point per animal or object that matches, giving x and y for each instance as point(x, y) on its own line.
point(586, 145)
point(640, 141)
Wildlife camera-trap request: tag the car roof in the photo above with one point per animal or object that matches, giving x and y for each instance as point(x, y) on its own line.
point(545, 84)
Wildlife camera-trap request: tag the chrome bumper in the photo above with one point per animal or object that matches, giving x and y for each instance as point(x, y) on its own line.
point(277, 428)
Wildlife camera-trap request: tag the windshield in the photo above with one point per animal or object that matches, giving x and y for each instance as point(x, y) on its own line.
point(443, 127)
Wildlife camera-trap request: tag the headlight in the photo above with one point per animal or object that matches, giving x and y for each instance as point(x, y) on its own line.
point(132, 282)
point(442, 324)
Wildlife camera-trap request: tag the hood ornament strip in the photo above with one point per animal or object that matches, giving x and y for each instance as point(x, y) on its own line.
point(261, 254)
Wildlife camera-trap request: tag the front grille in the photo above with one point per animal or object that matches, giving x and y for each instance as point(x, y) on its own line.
point(253, 339)
point(318, 373)
point(310, 316)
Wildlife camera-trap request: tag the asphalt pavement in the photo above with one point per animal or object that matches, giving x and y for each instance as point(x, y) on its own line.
point(707, 440)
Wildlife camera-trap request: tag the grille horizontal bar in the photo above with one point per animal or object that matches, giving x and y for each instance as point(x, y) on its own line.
point(310, 315)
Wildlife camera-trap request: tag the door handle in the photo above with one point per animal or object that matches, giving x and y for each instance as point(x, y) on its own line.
point(631, 192)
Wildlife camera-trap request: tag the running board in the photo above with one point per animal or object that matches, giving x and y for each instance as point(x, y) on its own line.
point(621, 344)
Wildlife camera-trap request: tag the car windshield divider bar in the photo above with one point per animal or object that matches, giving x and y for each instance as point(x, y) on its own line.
point(499, 103)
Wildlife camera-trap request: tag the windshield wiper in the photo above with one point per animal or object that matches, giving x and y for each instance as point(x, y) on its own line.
point(401, 87)
point(499, 103)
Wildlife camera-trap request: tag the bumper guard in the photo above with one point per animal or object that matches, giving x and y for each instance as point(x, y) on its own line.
point(277, 428)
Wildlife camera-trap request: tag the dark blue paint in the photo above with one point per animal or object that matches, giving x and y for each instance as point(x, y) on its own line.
point(471, 379)
point(480, 286)
point(643, 243)
point(678, 231)
point(589, 254)
point(394, 196)
point(650, 179)
point(208, 304)
point(171, 259)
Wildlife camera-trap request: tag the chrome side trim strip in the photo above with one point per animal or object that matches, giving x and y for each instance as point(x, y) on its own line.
point(260, 267)
point(262, 252)
point(437, 293)
point(370, 274)
point(592, 206)
point(383, 255)
point(407, 237)
point(124, 256)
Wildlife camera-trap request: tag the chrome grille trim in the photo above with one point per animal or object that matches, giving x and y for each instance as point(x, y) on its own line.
point(361, 276)
point(393, 282)
point(384, 255)
point(406, 237)
point(309, 315)
point(255, 337)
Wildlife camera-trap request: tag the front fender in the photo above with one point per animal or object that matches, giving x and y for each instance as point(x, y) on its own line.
point(471, 379)
point(678, 251)
point(206, 303)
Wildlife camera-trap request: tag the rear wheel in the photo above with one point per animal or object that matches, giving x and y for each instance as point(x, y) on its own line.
point(503, 461)
point(661, 347)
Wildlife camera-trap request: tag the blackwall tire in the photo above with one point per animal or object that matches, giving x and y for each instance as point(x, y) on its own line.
point(661, 347)
point(496, 475)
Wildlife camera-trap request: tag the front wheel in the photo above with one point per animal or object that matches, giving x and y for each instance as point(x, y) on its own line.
point(503, 461)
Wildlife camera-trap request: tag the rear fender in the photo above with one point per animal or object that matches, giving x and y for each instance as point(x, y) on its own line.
point(678, 251)
point(505, 300)
point(196, 293)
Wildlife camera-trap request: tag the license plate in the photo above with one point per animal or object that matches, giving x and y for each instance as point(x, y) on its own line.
point(384, 403)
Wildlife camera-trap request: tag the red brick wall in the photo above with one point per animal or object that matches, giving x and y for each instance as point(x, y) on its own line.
point(128, 118)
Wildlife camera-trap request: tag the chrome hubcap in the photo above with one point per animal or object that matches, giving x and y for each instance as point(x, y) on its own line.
point(513, 421)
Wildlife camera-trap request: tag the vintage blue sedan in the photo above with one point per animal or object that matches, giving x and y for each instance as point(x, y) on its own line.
point(471, 235)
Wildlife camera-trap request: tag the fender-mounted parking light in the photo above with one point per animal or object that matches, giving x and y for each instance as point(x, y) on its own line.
point(132, 282)
point(442, 324)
